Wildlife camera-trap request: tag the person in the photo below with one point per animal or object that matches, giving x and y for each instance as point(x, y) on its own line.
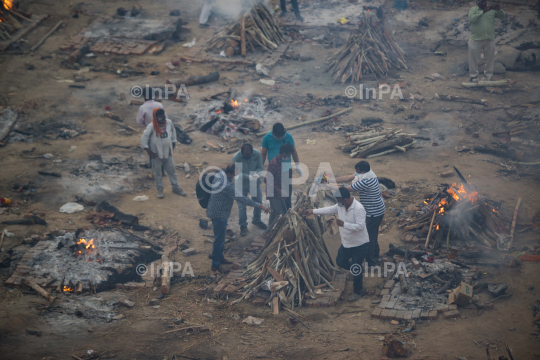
point(353, 233)
point(482, 21)
point(275, 185)
point(159, 141)
point(295, 9)
point(271, 145)
point(219, 210)
point(146, 110)
point(206, 11)
point(252, 164)
point(365, 182)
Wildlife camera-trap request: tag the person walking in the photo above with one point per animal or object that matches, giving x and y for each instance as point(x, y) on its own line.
point(353, 233)
point(206, 11)
point(219, 210)
point(482, 22)
point(159, 141)
point(251, 163)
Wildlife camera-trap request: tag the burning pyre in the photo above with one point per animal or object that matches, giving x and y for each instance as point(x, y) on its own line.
point(459, 211)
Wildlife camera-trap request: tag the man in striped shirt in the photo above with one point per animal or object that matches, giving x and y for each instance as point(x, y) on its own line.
point(365, 182)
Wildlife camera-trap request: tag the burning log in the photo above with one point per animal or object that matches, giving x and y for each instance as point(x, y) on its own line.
point(256, 28)
point(40, 290)
point(371, 49)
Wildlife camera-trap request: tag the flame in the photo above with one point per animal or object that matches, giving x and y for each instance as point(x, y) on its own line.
point(8, 4)
point(67, 289)
point(246, 100)
point(495, 211)
point(235, 103)
point(437, 227)
point(441, 210)
point(218, 111)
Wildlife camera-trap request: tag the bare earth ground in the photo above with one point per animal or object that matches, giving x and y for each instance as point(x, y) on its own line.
point(141, 334)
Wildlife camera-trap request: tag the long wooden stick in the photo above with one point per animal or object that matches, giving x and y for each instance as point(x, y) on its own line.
point(310, 122)
point(448, 235)
point(430, 229)
point(40, 290)
point(513, 228)
point(35, 47)
point(242, 37)
point(2, 240)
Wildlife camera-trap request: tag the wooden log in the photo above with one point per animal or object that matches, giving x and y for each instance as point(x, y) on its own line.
point(430, 229)
point(79, 288)
point(2, 240)
point(312, 223)
point(310, 122)
point(40, 290)
point(461, 99)
point(498, 83)
point(275, 305)
point(77, 54)
point(514, 219)
point(390, 151)
point(60, 286)
point(243, 50)
point(166, 275)
point(399, 141)
point(195, 80)
point(35, 47)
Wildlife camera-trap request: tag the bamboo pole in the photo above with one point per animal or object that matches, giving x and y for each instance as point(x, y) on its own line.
point(514, 219)
point(35, 47)
point(310, 122)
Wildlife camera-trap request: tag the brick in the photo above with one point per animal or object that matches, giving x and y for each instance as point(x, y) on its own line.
point(259, 301)
point(433, 315)
point(424, 315)
point(189, 252)
point(442, 308)
point(416, 314)
point(408, 315)
point(415, 263)
point(452, 307)
point(390, 305)
point(125, 302)
point(384, 314)
point(400, 315)
point(389, 284)
point(376, 313)
point(385, 292)
point(386, 298)
point(383, 304)
point(451, 314)
point(392, 314)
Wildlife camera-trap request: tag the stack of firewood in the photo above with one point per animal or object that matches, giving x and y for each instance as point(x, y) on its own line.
point(371, 49)
point(10, 19)
point(255, 29)
point(372, 142)
point(294, 253)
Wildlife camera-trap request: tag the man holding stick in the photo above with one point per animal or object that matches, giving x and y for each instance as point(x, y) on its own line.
point(482, 20)
point(354, 236)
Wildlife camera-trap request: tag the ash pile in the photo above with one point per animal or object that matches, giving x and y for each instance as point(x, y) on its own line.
point(235, 115)
point(89, 261)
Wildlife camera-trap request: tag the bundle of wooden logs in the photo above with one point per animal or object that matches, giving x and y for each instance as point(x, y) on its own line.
point(255, 29)
point(10, 19)
point(296, 255)
point(372, 142)
point(371, 49)
point(458, 211)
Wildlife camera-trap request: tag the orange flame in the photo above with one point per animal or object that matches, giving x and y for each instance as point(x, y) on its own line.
point(8, 4)
point(67, 289)
point(235, 103)
point(437, 227)
point(218, 111)
point(246, 100)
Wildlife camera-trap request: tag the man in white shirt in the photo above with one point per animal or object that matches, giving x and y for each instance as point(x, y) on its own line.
point(146, 110)
point(354, 236)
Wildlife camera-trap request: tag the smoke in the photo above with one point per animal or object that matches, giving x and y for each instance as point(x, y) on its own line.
point(234, 8)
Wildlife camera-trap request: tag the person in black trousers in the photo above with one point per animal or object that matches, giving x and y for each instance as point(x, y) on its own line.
point(295, 8)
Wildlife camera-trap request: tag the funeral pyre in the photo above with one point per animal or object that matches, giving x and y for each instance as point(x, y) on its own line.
point(255, 29)
point(371, 49)
point(234, 115)
point(294, 262)
point(458, 211)
point(83, 261)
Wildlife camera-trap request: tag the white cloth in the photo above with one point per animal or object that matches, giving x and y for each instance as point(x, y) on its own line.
point(206, 11)
point(369, 175)
point(353, 232)
point(475, 51)
point(156, 143)
point(146, 112)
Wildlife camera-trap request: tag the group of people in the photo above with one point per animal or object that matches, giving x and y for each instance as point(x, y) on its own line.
point(207, 6)
point(358, 221)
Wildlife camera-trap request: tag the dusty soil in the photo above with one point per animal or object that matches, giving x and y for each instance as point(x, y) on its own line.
point(142, 334)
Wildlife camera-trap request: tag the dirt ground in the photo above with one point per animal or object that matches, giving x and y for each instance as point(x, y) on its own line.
point(331, 335)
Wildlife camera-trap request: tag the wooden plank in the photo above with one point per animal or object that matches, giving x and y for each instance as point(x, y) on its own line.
point(275, 305)
point(275, 274)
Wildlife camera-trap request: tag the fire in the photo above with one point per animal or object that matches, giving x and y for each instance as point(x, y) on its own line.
point(437, 228)
point(454, 190)
point(441, 210)
point(235, 103)
point(8, 4)
point(88, 245)
point(246, 100)
point(218, 111)
point(67, 289)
